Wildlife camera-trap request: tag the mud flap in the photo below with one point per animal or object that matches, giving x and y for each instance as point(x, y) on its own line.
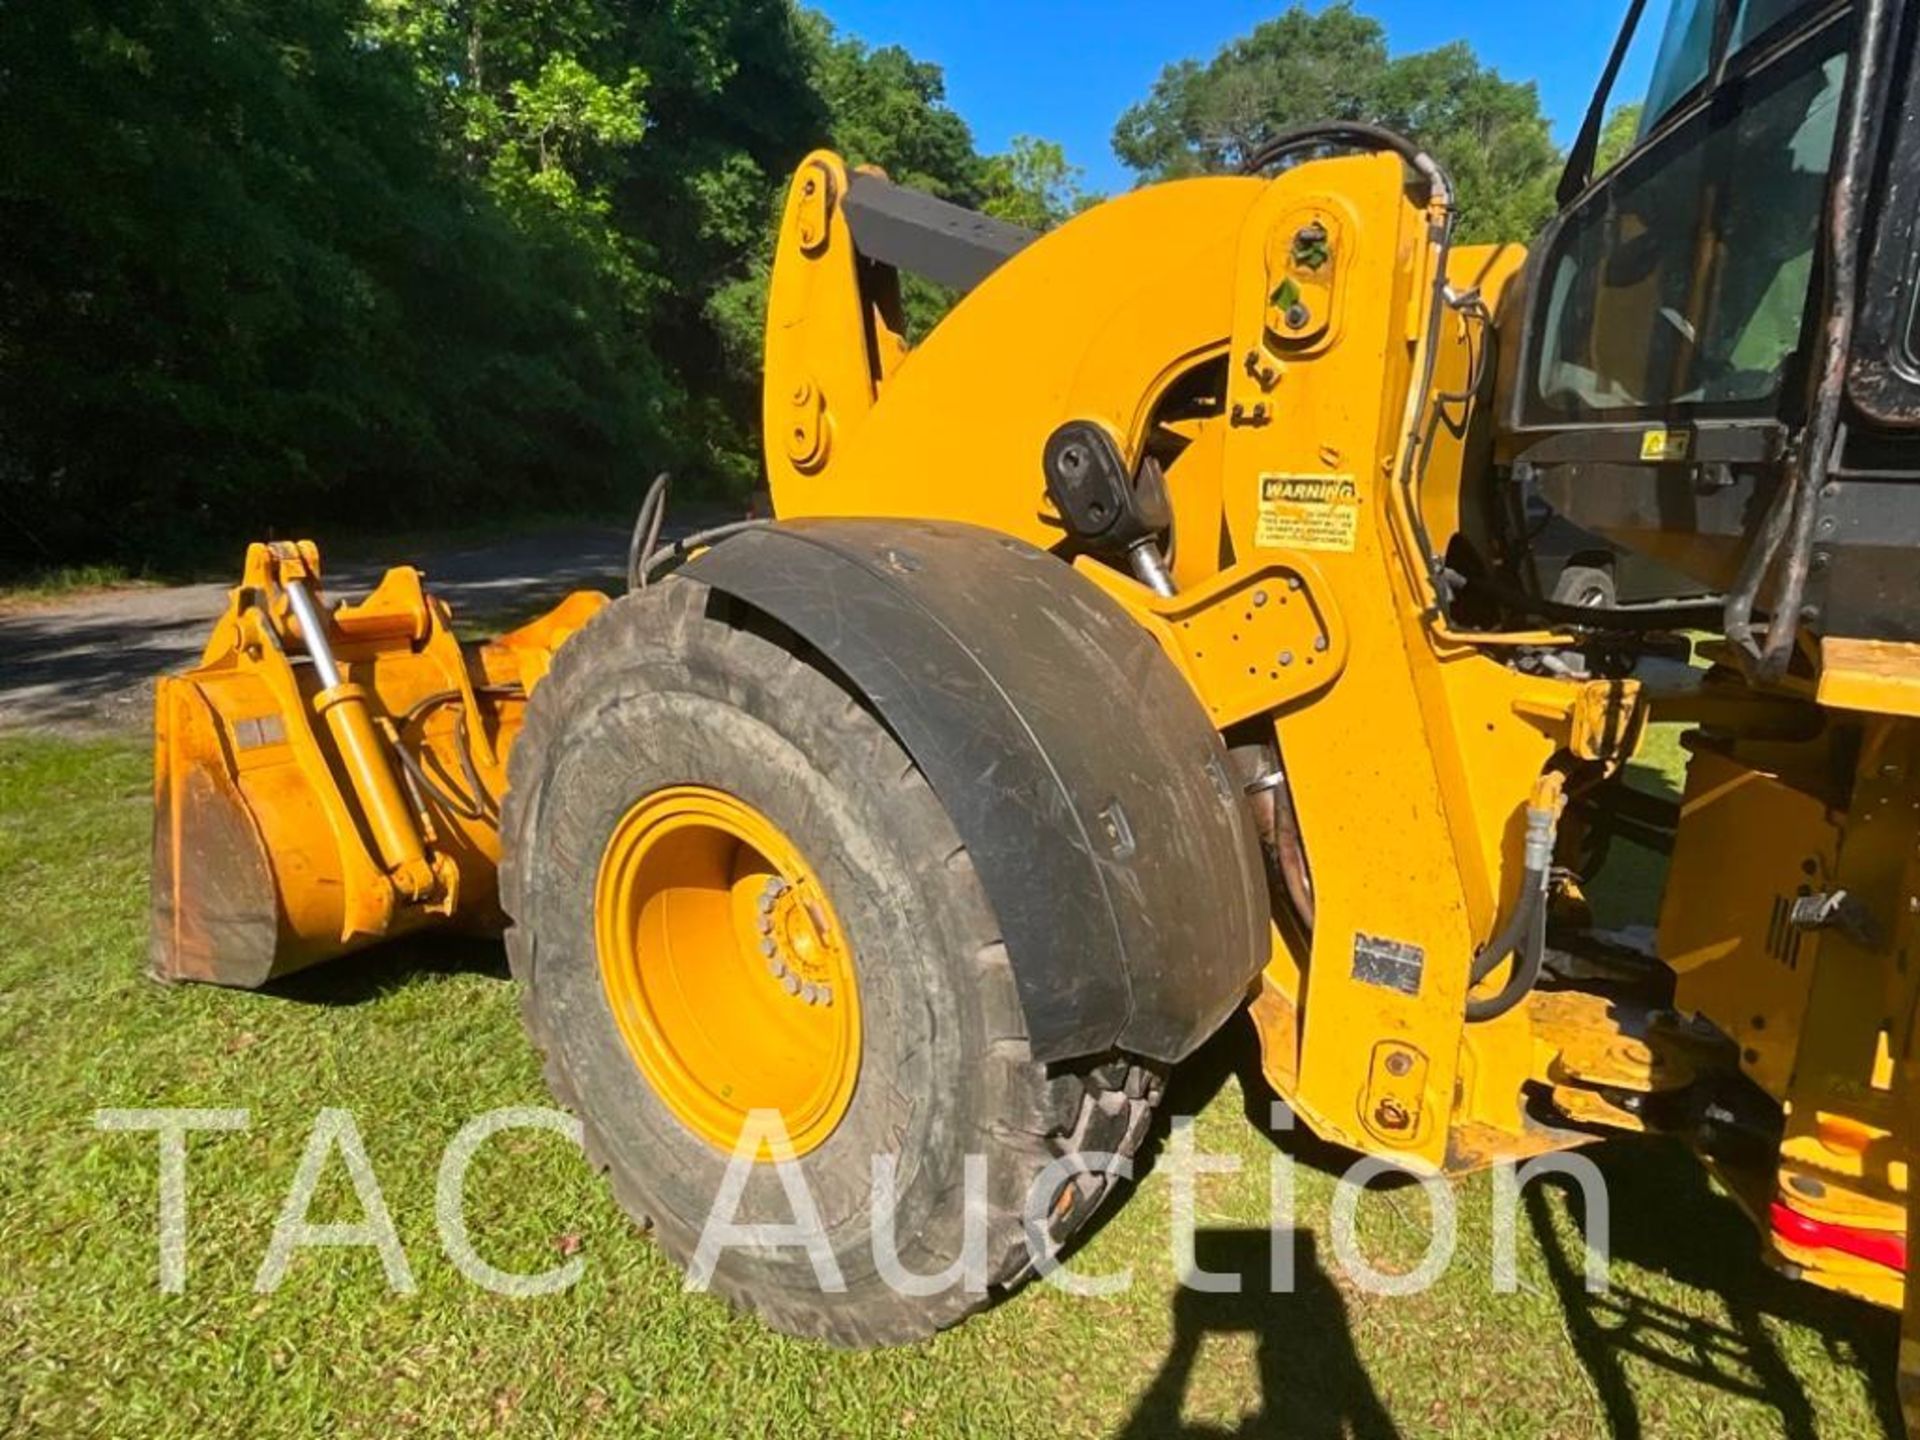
point(1078, 767)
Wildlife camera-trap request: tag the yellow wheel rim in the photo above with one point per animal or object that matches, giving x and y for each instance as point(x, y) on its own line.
point(729, 974)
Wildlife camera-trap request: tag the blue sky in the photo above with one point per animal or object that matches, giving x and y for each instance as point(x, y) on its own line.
point(1065, 69)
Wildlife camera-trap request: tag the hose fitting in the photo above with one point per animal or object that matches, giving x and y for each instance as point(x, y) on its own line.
point(1524, 937)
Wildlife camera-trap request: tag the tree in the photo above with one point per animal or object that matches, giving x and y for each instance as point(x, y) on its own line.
point(244, 289)
point(1211, 118)
point(887, 109)
point(1617, 137)
point(884, 108)
point(658, 137)
point(1034, 185)
point(276, 265)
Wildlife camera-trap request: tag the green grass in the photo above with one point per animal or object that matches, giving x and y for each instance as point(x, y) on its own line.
point(217, 557)
point(63, 582)
point(1696, 1339)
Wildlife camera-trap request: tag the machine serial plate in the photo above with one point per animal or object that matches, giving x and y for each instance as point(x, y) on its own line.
point(1390, 964)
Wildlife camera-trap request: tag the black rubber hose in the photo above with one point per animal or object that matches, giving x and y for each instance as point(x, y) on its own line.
point(1846, 221)
point(1528, 965)
point(1354, 134)
point(1524, 937)
point(646, 531)
point(699, 540)
point(469, 810)
point(1738, 621)
point(1515, 933)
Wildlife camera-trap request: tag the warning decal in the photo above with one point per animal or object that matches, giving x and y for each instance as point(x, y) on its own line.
point(1666, 445)
point(1308, 512)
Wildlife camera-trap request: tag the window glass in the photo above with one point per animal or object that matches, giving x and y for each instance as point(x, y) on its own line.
point(1685, 279)
point(1757, 17)
point(1686, 49)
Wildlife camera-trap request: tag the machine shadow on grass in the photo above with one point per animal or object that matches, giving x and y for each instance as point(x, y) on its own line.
point(1313, 1382)
point(368, 975)
point(1714, 1252)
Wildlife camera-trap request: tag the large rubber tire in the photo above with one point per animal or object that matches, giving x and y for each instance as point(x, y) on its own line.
point(675, 686)
point(1588, 586)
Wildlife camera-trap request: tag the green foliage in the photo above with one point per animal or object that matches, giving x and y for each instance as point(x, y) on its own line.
point(418, 1038)
point(889, 110)
point(275, 266)
point(1334, 65)
point(245, 287)
point(1034, 185)
point(1617, 137)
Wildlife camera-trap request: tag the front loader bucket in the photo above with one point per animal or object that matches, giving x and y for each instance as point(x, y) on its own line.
point(324, 780)
point(215, 915)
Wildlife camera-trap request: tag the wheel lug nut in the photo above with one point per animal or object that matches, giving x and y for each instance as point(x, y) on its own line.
point(776, 967)
point(790, 982)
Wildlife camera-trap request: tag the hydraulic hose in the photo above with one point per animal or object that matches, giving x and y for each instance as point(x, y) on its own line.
point(1523, 938)
point(1354, 135)
point(679, 550)
point(1529, 921)
point(647, 557)
point(646, 531)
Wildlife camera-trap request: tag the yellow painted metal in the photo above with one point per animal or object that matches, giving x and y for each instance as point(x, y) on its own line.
point(1444, 739)
point(1879, 677)
point(1821, 1014)
point(1847, 1154)
point(1250, 639)
point(1275, 381)
point(1109, 311)
point(1264, 342)
point(287, 827)
point(726, 968)
point(1738, 957)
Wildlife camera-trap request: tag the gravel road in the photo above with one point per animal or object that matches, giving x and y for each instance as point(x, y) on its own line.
point(86, 666)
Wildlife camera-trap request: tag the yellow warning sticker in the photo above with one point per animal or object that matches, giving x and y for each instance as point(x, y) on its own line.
point(1308, 512)
point(1665, 445)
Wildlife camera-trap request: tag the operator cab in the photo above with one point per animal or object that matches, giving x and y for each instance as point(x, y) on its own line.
point(1661, 372)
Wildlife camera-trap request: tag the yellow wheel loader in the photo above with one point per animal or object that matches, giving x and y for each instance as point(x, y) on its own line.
point(1161, 636)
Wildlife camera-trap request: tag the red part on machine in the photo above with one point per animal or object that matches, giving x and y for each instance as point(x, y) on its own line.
point(1881, 1247)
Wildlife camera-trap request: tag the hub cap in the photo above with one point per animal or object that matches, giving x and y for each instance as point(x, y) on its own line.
point(727, 970)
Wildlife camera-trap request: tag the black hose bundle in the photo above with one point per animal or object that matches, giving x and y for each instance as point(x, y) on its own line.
point(646, 530)
point(646, 557)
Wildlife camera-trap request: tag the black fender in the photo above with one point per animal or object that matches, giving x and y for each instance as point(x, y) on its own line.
point(1079, 769)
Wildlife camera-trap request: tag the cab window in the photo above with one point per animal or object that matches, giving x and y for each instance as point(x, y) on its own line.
point(1683, 279)
point(1686, 49)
